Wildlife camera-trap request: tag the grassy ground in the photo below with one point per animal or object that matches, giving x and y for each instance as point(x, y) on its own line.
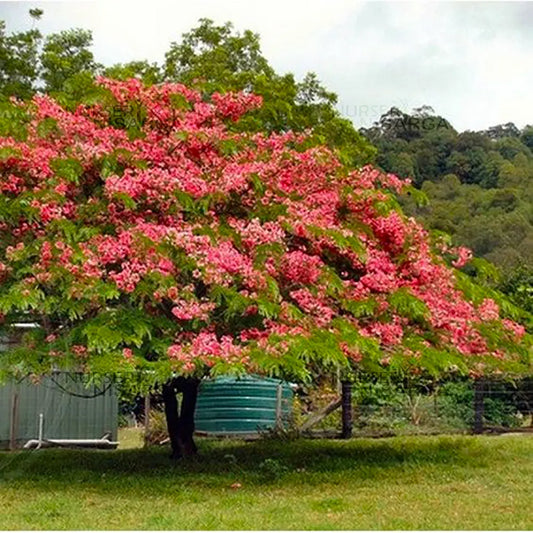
point(454, 482)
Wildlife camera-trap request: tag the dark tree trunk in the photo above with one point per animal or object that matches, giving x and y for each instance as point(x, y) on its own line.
point(180, 424)
point(173, 419)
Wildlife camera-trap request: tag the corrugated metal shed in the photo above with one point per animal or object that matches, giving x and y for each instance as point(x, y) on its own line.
point(71, 410)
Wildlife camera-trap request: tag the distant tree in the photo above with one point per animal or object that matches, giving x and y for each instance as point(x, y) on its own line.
point(426, 165)
point(396, 124)
point(19, 62)
point(503, 130)
point(217, 58)
point(527, 137)
point(505, 199)
point(66, 55)
point(149, 73)
point(487, 205)
point(401, 164)
point(509, 147)
point(36, 13)
point(424, 111)
point(470, 140)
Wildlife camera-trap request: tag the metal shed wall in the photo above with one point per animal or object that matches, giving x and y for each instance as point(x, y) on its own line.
point(70, 411)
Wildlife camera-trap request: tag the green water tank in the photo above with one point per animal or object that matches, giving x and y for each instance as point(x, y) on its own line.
point(242, 406)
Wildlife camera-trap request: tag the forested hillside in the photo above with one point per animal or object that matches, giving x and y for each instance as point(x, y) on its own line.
point(479, 187)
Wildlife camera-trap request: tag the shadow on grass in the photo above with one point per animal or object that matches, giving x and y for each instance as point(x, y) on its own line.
point(257, 462)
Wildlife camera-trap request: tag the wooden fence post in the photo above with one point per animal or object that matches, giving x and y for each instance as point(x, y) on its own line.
point(146, 417)
point(14, 422)
point(279, 397)
point(479, 405)
point(347, 414)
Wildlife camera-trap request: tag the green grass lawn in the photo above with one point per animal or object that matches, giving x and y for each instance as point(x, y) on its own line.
point(458, 482)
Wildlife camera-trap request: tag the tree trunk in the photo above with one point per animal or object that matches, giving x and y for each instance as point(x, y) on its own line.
point(189, 388)
point(173, 419)
point(180, 424)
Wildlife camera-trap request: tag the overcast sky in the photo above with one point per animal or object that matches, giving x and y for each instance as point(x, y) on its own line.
point(472, 62)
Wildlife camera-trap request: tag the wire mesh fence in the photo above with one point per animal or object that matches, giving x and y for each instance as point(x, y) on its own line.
point(387, 408)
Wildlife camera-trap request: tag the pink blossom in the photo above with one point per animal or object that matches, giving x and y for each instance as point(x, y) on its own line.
point(188, 310)
point(488, 310)
point(517, 329)
point(300, 267)
point(463, 256)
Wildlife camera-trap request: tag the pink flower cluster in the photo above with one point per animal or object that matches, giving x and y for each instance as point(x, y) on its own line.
point(255, 234)
point(189, 310)
point(313, 305)
point(234, 105)
point(488, 310)
point(463, 256)
point(299, 267)
point(206, 349)
point(389, 334)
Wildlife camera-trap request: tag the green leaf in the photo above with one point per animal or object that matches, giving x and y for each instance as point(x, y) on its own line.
point(181, 136)
point(179, 101)
point(267, 308)
point(343, 241)
point(404, 303)
point(228, 147)
point(69, 169)
point(419, 197)
point(47, 126)
point(7, 152)
point(360, 308)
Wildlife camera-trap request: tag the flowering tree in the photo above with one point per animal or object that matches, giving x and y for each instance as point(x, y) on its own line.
point(144, 232)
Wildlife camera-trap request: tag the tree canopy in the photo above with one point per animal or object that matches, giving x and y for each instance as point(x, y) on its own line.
point(148, 231)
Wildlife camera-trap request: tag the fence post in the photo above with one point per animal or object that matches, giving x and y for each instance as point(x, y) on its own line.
point(279, 396)
point(13, 426)
point(347, 416)
point(146, 417)
point(479, 405)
